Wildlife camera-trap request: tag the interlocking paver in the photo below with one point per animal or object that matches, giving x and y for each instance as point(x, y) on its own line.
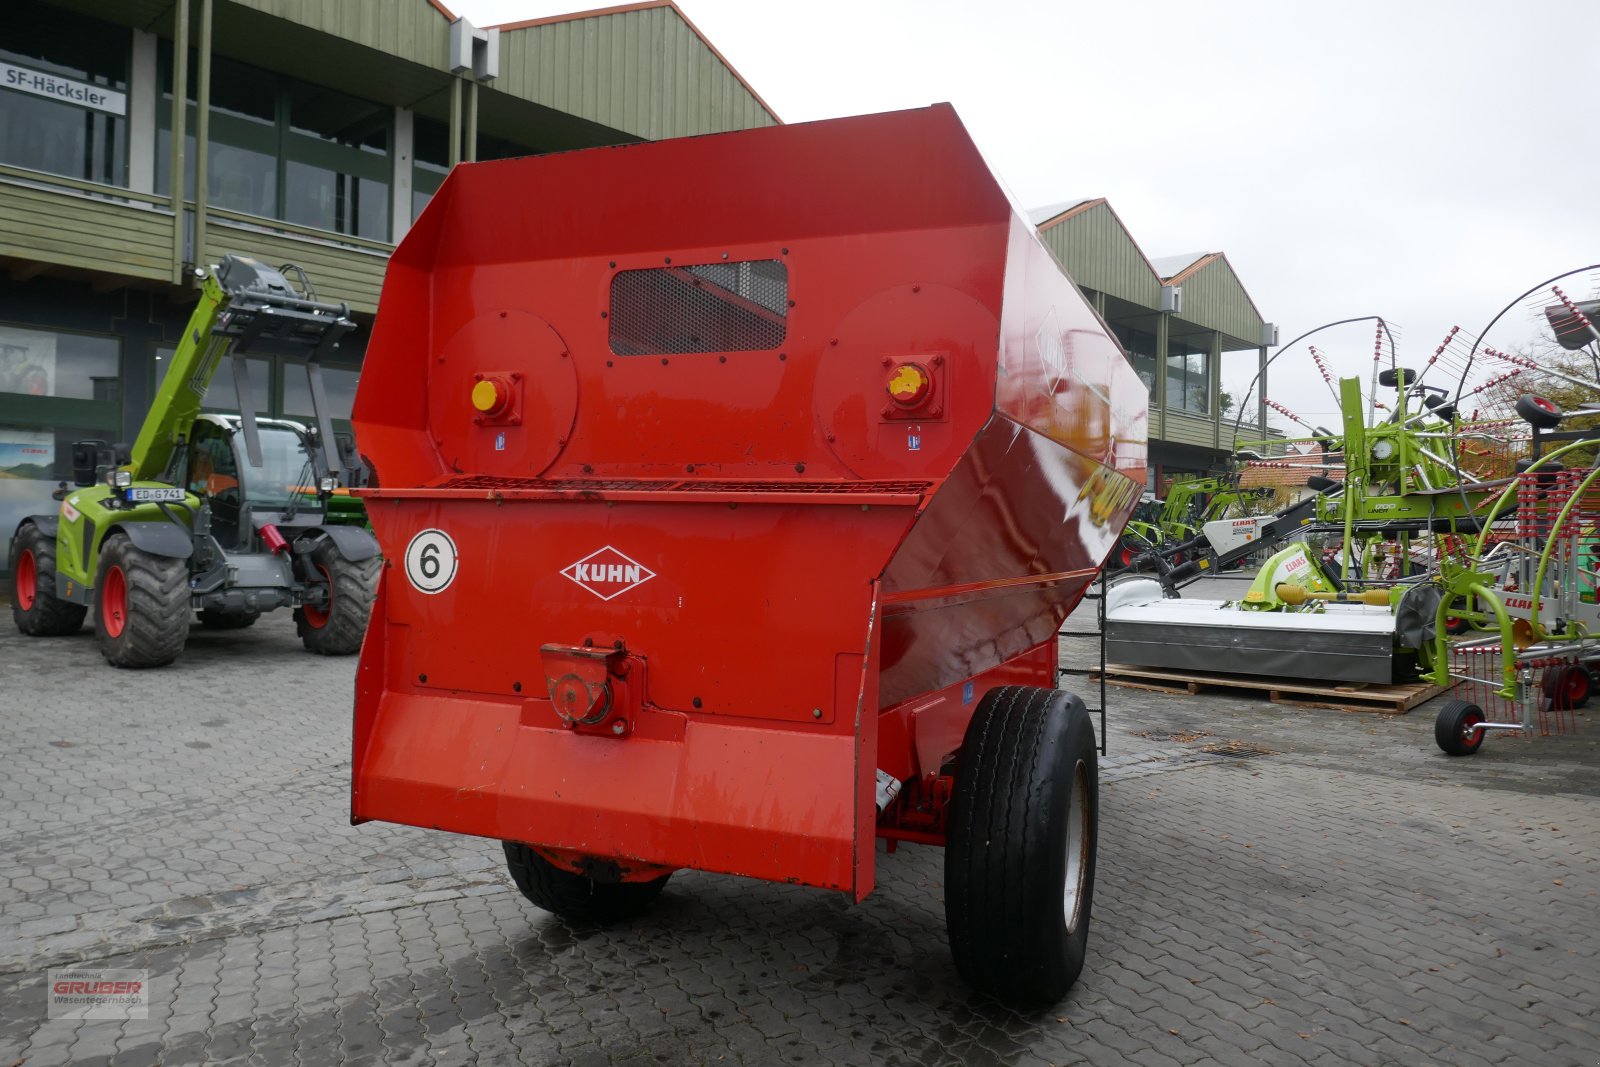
point(1350, 879)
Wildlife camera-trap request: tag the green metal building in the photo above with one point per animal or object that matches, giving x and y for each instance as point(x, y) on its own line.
point(1178, 317)
point(310, 132)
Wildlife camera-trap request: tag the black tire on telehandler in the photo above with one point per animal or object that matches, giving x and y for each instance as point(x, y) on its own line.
point(141, 605)
point(37, 610)
point(1020, 855)
point(336, 629)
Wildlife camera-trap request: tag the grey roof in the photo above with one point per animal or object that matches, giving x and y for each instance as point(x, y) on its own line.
point(1040, 215)
point(1171, 266)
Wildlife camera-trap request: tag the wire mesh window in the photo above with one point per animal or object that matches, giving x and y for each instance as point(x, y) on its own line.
point(703, 307)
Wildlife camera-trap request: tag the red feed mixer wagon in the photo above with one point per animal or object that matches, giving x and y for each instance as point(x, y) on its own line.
point(733, 490)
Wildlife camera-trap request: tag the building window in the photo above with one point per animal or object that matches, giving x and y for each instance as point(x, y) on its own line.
point(1141, 349)
point(336, 174)
point(63, 94)
point(1188, 377)
point(430, 153)
point(33, 461)
point(221, 394)
point(286, 149)
point(60, 364)
point(338, 384)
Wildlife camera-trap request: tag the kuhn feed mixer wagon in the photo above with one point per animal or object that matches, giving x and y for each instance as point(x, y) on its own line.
point(734, 489)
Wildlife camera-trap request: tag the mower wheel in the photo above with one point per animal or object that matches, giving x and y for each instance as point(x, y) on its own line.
point(222, 620)
point(1019, 862)
point(1455, 731)
point(34, 605)
point(574, 896)
point(1539, 412)
point(141, 605)
point(1567, 686)
point(336, 628)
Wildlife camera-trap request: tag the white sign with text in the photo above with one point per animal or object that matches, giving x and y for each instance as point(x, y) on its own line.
point(66, 90)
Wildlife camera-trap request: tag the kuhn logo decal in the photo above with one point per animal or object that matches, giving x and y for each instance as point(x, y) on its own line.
point(608, 573)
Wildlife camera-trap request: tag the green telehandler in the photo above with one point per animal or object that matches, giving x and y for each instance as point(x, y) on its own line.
point(220, 516)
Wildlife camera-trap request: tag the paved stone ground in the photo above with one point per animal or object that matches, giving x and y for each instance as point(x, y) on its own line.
point(1274, 887)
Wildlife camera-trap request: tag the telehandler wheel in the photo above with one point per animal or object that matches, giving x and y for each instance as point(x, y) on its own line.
point(573, 896)
point(34, 605)
point(141, 606)
point(336, 629)
point(1019, 863)
point(1455, 730)
point(221, 620)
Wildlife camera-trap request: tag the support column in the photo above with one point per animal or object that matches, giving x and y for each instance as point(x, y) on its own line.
point(1214, 393)
point(455, 121)
point(472, 122)
point(400, 179)
point(1261, 390)
point(180, 114)
point(143, 92)
point(1158, 406)
point(202, 133)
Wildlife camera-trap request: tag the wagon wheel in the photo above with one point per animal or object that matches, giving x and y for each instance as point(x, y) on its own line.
point(1019, 865)
point(1566, 686)
point(1457, 729)
point(574, 896)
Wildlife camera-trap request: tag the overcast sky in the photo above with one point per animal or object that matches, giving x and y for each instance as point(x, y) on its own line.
point(1424, 161)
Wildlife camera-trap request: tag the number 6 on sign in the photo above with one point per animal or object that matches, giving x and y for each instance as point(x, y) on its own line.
point(431, 561)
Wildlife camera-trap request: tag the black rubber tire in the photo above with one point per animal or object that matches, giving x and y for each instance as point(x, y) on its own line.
point(1450, 728)
point(49, 616)
point(222, 620)
point(157, 623)
point(1539, 412)
point(1027, 778)
point(355, 584)
point(1567, 686)
point(574, 896)
point(1390, 377)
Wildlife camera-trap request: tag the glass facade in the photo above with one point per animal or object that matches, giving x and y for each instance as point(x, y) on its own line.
point(51, 117)
point(56, 363)
point(1188, 377)
point(284, 149)
point(338, 384)
point(1141, 348)
point(278, 386)
point(430, 155)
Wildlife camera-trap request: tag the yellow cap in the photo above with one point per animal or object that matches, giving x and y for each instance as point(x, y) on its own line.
point(486, 395)
point(908, 384)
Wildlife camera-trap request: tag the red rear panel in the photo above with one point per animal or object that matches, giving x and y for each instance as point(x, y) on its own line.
point(691, 461)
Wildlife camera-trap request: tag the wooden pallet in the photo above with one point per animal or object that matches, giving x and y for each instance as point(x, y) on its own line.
point(1347, 696)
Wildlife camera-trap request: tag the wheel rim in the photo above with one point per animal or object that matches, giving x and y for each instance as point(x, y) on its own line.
point(1470, 734)
point(114, 602)
point(1574, 686)
point(1127, 556)
point(1077, 847)
point(317, 617)
point(27, 580)
point(1545, 405)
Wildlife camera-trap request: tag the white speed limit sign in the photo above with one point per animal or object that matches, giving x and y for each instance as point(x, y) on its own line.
point(431, 561)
